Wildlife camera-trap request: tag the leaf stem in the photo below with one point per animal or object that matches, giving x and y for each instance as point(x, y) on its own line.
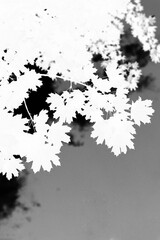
point(29, 113)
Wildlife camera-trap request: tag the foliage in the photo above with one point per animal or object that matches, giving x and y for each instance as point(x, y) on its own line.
point(61, 37)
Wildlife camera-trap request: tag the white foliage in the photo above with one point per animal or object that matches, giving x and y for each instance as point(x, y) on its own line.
point(140, 111)
point(116, 133)
point(37, 150)
point(12, 95)
point(10, 165)
point(63, 36)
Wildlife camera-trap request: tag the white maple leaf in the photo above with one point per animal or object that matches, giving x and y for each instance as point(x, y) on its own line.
point(30, 80)
point(96, 102)
point(12, 95)
point(102, 85)
point(12, 131)
point(42, 156)
point(116, 133)
point(66, 105)
point(37, 151)
point(134, 75)
point(120, 103)
point(57, 134)
point(56, 103)
point(74, 101)
point(95, 98)
point(140, 111)
point(115, 74)
point(9, 97)
point(40, 122)
point(10, 165)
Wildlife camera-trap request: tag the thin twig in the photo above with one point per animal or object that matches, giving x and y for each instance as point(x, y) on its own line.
point(27, 110)
point(62, 77)
point(29, 113)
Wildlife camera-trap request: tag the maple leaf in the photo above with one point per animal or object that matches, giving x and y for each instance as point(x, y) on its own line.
point(120, 103)
point(96, 102)
point(10, 165)
point(12, 131)
point(42, 155)
point(115, 74)
point(134, 75)
point(8, 143)
point(73, 102)
point(91, 113)
point(37, 150)
point(56, 103)
point(57, 134)
point(140, 111)
point(40, 122)
point(95, 98)
point(66, 105)
point(14, 93)
point(102, 85)
point(116, 133)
